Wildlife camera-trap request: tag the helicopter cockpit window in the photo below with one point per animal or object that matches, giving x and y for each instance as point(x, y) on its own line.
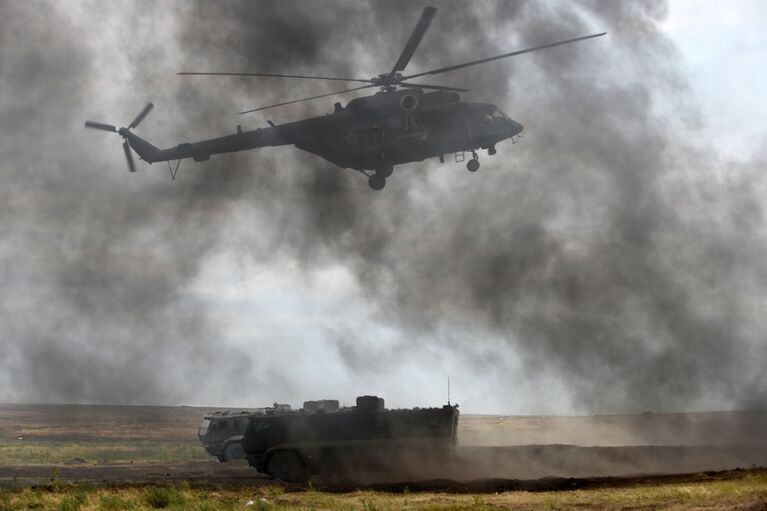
point(499, 116)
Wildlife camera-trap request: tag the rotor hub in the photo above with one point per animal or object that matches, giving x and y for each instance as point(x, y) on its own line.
point(388, 81)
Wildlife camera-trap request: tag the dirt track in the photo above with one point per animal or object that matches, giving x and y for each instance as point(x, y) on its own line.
point(549, 465)
point(213, 474)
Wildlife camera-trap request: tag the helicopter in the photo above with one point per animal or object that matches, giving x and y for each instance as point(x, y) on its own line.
point(401, 123)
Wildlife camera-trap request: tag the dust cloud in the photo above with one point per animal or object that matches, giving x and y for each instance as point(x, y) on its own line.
point(614, 258)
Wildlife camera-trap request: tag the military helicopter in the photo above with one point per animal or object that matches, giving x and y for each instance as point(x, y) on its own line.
point(399, 124)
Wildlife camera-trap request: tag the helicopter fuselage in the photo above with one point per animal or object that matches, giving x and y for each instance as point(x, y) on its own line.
point(371, 133)
point(393, 128)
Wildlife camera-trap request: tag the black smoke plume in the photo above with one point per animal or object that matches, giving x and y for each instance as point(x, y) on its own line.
point(613, 257)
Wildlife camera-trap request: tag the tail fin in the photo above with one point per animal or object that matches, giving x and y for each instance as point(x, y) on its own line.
point(144, 149)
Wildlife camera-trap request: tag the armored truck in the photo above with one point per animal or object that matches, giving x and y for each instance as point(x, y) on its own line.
point(293, 447)
point(221, 432)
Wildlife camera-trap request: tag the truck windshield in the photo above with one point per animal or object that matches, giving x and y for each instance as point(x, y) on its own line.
point(204, 427)
point(261, 426)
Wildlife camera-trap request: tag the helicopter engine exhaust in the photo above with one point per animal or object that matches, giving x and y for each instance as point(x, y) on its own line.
point(409, 102)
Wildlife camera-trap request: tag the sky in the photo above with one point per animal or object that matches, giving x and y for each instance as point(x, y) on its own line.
point(610, 262)
point(724, 46)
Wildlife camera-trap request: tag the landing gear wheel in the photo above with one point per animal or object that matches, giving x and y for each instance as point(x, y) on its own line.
point(287, 466)
point(233, 451)
point(385, 171)
point(491, 150)
point(377, 181)
point(472, 165)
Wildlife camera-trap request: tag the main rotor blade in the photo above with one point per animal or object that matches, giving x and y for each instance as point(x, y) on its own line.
point(140, 117)
point(363, 80)
point(307, 99)
point(415, 39)
point(129, 157)
point(435, 87)
point(505, 55)
point(100, 126)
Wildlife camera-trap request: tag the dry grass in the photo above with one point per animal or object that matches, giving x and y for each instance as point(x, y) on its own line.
point(748, 490)
point(81, 422)
point(99, 451)
point(91, 422)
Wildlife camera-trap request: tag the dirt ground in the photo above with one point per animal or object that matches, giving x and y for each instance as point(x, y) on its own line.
point(238, 474)
point(178, 423)
point(523, 452)
point(91, 422)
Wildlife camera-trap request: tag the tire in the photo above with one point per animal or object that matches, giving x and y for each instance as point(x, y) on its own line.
point(287, 466)
point(233, 451)
point(332, 470)
point(472, 165)
point(377, 182)
point(385, 171)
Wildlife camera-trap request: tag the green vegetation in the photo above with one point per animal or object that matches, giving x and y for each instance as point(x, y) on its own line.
point(747, 490)
point(161, 497)
point(91, 451)
point(73, 501)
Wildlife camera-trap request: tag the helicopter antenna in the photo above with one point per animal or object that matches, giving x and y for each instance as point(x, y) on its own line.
point(448, 390)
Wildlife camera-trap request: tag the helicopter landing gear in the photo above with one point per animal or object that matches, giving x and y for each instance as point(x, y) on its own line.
point(385, 170)
point(473, 164)
point(377, 181)
point(491, 150)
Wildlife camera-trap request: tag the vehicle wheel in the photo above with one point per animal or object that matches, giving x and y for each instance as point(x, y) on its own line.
point(377, 182)
point(332, 470)
point(233, 451)
point(385, 171)
point(287, 466)
point(473, 165)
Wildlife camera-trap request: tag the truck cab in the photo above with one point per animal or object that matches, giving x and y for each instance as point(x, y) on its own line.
point(221, 432)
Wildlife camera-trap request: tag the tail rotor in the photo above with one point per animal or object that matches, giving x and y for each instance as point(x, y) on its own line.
point(123, 133)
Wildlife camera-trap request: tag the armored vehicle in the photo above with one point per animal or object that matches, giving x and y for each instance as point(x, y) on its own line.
point(221, 432)
point(293, 447)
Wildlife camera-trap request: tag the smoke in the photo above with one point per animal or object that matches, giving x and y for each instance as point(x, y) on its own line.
point(605, 263)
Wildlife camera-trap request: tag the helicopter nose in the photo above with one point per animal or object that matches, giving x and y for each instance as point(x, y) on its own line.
point(515, 128)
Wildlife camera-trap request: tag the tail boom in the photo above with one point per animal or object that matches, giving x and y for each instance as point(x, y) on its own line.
point(204, 149)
